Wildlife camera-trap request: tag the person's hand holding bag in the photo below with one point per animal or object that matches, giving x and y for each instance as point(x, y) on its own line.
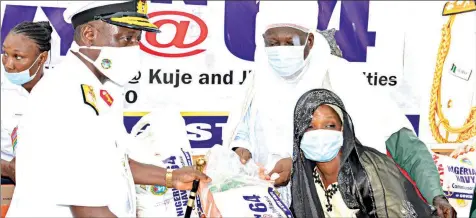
point(244, 154)
point(283, 168)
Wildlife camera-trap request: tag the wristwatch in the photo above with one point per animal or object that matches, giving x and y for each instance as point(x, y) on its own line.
point(168, 178)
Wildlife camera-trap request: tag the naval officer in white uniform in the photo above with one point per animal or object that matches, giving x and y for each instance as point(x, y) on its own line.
point(70, 112)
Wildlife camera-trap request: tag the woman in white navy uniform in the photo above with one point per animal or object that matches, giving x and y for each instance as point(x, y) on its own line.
point(25, 51)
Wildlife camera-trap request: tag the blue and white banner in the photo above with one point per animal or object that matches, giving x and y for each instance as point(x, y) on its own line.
point(458, 177)
point(205, 52)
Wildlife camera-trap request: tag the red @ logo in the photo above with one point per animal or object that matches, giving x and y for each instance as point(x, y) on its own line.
point(179, 39)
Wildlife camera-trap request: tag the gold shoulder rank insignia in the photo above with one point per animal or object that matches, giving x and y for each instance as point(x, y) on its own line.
point(458, 7)
point(142, 7)
point(89, 97)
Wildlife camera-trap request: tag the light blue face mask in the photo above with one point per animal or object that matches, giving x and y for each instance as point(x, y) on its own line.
point(321, 145)
point(287, 60)
point(22, 77)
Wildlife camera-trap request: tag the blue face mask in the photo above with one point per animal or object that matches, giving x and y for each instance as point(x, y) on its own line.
point(287, 60)
point(22, 77)
point(321, 145)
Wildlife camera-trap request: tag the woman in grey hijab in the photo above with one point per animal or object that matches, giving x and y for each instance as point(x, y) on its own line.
point(359, 180)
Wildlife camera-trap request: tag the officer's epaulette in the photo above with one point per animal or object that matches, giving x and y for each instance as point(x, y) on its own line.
point(457, 7)
point(89, 97)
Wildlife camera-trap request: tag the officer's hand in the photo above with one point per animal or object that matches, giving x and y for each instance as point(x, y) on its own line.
point(444, 207)
point(182, 179)
point(283, 168)
point(11, 169)
point(244, 154)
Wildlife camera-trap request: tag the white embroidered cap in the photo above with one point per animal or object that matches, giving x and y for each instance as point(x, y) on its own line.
point(301, 15)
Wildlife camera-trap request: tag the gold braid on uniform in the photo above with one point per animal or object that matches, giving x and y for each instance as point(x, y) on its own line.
point(464, 132)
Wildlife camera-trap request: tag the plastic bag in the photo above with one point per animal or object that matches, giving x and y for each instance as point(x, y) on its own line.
point(236, 190)
point(458, 176)
point(161, 140)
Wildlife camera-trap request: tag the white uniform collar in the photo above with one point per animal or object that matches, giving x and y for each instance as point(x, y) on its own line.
point(75, 66)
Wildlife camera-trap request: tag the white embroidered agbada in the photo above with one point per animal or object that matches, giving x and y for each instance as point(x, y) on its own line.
point(263, 123)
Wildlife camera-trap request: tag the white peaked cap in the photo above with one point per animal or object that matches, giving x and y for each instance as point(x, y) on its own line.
point(130, 14)
point(76, 7)
point(299, 14)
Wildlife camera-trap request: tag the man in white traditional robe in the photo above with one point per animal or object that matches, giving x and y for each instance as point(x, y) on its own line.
point(292, 58)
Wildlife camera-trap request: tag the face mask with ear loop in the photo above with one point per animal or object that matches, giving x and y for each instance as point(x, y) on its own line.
point(119, 64)
point(48, 66)
point(22, 77)
point(321, 145)
point(287, 61)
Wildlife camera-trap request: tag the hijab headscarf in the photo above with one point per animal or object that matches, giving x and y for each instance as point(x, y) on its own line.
point(338, 112)
point(357, 169)
point(303, 189)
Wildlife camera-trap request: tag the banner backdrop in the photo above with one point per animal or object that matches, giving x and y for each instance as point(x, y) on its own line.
point(457, 177)
point(206, 49)
point(205, 52)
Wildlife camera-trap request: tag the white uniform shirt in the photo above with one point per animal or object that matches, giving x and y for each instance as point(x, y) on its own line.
point(69, 154)
point(13, 102)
